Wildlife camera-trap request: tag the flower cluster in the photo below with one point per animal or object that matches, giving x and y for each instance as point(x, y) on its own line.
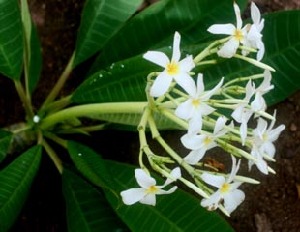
point(250, 35)
point(183, 99)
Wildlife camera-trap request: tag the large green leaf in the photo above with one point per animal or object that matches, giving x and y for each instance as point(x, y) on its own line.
point(11, 39)
point(158, 23)
point(35, 62)
point(87, 207)
point(5, 138)
point(84, 157)
point(101, 19)
point(32, 51)
point(126, 80)
point(15, 182)
point(177, 212)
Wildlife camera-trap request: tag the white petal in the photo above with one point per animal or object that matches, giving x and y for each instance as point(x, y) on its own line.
point(161, 85)
point(233, 199)
point(220, 124)
point(194, 156)
point(274, 134)
point(224, 29)
point(237, 12)
point(234, 169)
point(229, 48)
point(192, 141)
point(171, 190)
point(255, 14)
point(266, 86)
point(200, 84)
point(158, 58)
point(187, 64)
point(243, 131)
point(185, 110)
point(149, 199)
point(132, 195)
point(258, 103)
point(205, 109)
point(250, 90)
point(261, 164)
point(143, 179)
point(186, 82)
point(195, 123)
point(211, 92)
point(269, 148)
point(176, 47)
point(213, 180)
point(175, 173)
point(212, 203)
point(261, 51)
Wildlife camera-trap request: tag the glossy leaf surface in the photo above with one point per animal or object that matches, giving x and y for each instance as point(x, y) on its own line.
point(157, 24)
point(87, 207)
point(11, 39)
point(167, 215)
point(101, 19)
point(15, 181)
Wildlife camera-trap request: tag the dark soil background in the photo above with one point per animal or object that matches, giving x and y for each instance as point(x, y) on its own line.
point(274, 205)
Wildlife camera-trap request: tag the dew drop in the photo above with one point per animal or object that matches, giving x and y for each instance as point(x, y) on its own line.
point(79, 154)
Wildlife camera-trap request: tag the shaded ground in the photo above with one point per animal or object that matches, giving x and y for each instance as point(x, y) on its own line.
point(274, 205)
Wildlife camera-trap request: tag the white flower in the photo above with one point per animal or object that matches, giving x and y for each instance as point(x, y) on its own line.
point(195, 107)
point(243, 112)
point(237, 34)
point(263, 139)
point(200, 143)
point(259, 104)
point(254, 36)
point(258, 160)
point(148, 191)
point(227, 190)
point(174, 69)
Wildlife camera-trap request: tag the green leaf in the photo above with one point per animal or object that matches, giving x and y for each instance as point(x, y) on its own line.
point(282, 52)
point(11, 39)
point(158, 23)
point(87, 207)
point(32, 56)
point(83, 157)
point(101, 19)
point(35, 62)
point(167, 215)
point(282, 40)
point(15, 182)
point(124, 81)
point(5, 139)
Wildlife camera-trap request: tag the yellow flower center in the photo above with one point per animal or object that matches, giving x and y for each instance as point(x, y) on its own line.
point(207, 140)
point(152, 189)
point(238, 34)
point(265, 137)
point(196, 102)
point(172, 68)
point(225, 188)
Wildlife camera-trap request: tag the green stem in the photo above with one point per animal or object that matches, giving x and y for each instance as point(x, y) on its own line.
point(26, 102)
point(92, 110)
point(208, 50)
point(60, 83)
point(53, 156)
point(255, 62)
